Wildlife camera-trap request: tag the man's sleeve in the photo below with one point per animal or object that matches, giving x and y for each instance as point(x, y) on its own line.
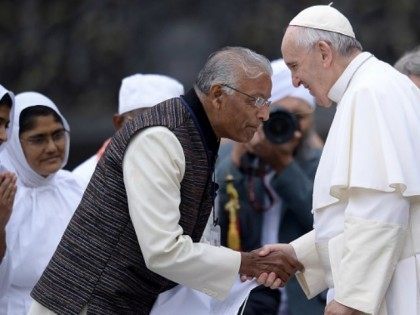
point(154, 165)
point(312, 279)
point(374, 234)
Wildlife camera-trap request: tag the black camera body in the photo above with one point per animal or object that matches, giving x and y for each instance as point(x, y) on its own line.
point(280, 126)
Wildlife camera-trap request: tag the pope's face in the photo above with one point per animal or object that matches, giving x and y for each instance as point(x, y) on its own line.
point(308, 68)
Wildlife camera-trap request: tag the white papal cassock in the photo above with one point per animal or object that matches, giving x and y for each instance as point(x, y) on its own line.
point(365, 245)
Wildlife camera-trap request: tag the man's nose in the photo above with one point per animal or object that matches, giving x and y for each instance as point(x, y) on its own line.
point(263, 113)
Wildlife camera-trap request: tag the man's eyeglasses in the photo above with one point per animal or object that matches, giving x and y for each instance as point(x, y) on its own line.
point(57, 137)
point(258, 101)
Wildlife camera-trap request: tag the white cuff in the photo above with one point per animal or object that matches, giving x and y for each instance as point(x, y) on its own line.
point(312, 279)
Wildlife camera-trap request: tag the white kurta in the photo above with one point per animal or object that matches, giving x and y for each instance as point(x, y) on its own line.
point(154, 165)
point(366, 203)
point(41, 211)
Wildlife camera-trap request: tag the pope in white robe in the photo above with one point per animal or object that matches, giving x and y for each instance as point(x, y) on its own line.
point(365, 246)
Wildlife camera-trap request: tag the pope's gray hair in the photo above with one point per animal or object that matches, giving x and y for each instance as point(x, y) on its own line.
point(307, 37)
point(409, 63)
point(228, 65)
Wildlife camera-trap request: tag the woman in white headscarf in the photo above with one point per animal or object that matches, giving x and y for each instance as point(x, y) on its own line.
point(7, 179)
point(46, 199)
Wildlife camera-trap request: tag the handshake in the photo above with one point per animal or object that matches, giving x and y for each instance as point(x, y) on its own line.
point(272, 265)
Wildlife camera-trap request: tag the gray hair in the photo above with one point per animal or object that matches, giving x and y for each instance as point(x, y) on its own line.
point(345, 45)
point(409, 63)
point(228, 65)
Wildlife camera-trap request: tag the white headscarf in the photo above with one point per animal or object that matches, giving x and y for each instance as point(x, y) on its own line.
point(3, 92)
point(13, 157)
point(41, 212)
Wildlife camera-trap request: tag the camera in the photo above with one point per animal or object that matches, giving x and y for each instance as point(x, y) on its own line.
point(280, 126)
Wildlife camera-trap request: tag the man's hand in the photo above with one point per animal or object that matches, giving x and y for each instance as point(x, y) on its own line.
point(7, 197)
point(273, 269)
point(270, 279)
point(335, 308)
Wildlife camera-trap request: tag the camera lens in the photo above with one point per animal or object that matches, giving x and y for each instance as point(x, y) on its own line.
point(281, 126)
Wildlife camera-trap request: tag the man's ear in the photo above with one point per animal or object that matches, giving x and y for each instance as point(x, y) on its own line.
point(326, 53)
point(216, 94)
point(118, 121)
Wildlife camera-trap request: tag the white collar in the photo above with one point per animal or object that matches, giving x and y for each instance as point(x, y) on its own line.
point(340, 86)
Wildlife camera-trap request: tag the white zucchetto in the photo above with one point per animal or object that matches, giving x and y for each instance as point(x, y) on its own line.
point(324, 17)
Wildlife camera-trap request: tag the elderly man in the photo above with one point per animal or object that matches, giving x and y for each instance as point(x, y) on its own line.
point(409, 64)
point(365, 246)
point(136, 232)
point(137, 92)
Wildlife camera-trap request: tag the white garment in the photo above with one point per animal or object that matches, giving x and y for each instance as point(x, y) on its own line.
point(272, 216)
point(41, 212)
point(84, 171)
point(366, 195)
point(182, 300)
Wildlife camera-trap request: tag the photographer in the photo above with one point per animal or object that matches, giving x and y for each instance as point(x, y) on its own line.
point(273, 175)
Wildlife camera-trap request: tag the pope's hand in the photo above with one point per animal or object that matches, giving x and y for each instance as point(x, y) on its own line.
point(335, 308)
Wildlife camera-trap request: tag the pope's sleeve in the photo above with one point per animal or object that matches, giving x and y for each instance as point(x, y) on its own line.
point(153, 166)
point(374, 234)
point(312, 279)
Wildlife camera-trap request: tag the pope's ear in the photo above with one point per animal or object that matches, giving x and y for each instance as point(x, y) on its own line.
point(326, 52)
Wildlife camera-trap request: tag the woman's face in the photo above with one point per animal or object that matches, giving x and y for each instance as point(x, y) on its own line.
point(44, 145)
point(4, 122)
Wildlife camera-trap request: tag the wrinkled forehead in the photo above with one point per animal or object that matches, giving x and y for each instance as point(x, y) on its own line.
point(257, 86)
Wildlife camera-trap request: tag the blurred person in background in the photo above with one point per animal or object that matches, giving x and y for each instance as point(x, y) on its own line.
point(7, 179)
point(45, 201)
point(409, 64)
point(137, 92)
point(137, 229)
point(274, 183)
point(365, 246)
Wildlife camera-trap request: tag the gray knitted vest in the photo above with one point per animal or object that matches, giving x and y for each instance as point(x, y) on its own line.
point(98, 262)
